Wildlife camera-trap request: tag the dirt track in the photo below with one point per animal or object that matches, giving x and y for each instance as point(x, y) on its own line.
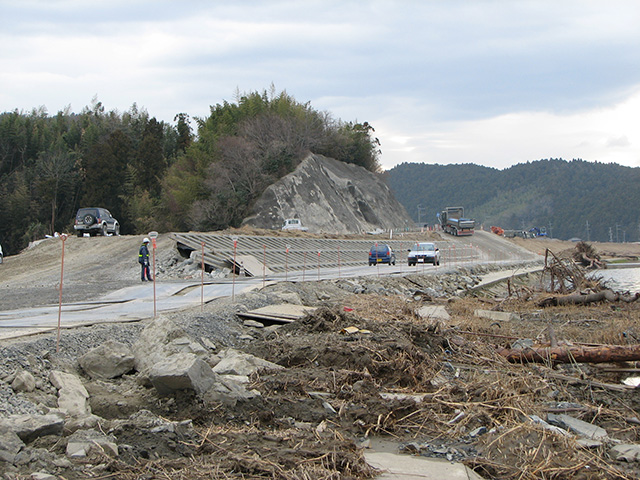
point(92, 266)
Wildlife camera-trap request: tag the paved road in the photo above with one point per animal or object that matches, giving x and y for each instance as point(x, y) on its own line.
point(137, 302)
point(125, 305)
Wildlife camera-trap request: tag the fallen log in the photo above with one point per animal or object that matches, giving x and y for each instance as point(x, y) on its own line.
point(573, 354)
point(585, 299)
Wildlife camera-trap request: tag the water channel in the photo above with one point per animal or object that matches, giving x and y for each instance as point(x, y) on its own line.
point(622, 279)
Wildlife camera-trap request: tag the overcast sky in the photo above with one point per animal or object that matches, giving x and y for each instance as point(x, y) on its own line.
point(490, 82)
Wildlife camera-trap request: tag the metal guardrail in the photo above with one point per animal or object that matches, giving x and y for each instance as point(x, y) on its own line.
point(299, 253)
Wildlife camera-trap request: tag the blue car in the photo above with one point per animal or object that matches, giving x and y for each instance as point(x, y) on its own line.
point(381, 253)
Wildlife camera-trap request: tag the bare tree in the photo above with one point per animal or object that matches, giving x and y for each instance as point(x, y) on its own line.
point(56, 172)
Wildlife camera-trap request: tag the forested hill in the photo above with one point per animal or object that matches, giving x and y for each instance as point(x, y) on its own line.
point(196, 174)
point(590, 200)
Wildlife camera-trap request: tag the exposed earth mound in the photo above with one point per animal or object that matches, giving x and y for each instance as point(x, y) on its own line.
point(330, 196)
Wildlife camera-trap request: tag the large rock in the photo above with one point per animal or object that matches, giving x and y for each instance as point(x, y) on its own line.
point(10, 444)
point(23, 382)
point(497, 316)
point(330, 196)
point(436, 312)
point(73, 398)
point(81, 442)
point(29, 427)
point(161, 339)
point(228, 390)
point(183, 371)
point(626, 452)
point(233, 362)
point(110, 360)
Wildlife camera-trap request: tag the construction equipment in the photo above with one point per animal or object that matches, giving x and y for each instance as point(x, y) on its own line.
point(538, 232)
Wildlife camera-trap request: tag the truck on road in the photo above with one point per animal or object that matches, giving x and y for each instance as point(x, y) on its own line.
point(453, 222)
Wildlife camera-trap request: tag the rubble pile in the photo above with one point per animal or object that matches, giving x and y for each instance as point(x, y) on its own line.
point(411, 364)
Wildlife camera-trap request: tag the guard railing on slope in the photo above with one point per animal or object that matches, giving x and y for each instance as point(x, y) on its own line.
point(272, 251)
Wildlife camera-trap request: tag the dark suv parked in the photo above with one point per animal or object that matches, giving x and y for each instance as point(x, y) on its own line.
point(381, 253)
point(95, 221)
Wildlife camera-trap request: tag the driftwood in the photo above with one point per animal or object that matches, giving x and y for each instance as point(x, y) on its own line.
point(585, 299)
point(564, 274)
point(574, 353)
point(589, 262)
point(587, 256)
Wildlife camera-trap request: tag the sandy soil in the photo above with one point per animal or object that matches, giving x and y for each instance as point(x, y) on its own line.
point(610, 251)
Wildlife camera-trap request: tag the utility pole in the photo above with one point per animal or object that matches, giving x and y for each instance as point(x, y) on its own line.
point(610, 235)
point(617, 236)
point(588, 236)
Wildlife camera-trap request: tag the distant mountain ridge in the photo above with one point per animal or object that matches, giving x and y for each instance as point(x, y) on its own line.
point(589, 200)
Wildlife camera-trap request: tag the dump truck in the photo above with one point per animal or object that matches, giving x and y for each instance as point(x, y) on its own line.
point(453, 221)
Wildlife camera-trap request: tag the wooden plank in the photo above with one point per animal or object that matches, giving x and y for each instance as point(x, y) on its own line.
point(280, 313)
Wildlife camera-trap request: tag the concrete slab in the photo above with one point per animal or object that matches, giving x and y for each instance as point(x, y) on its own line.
point(407, 467)
point(579, 427)
point(251, 265)
point(497, 316)
point(501, 275)
point(280, 313)
point(437, 312)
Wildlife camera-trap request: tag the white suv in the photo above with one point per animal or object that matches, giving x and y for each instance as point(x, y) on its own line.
point(424, 252)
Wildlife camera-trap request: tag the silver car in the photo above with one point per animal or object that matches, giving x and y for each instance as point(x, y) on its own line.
point(425, 252)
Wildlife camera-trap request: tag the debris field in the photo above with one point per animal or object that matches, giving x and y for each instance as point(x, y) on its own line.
point(413, 364)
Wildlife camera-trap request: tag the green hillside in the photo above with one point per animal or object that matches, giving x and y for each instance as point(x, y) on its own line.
point(590, 200)
point(197, 174)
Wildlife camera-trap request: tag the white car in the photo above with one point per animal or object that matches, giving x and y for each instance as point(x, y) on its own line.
point(425, 252)
point(294, 224)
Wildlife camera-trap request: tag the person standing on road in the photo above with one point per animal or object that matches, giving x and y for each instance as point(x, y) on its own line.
point(143, 259)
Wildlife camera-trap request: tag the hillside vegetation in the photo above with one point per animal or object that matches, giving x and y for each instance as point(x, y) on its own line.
point(200, 174)
point(590, 200)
